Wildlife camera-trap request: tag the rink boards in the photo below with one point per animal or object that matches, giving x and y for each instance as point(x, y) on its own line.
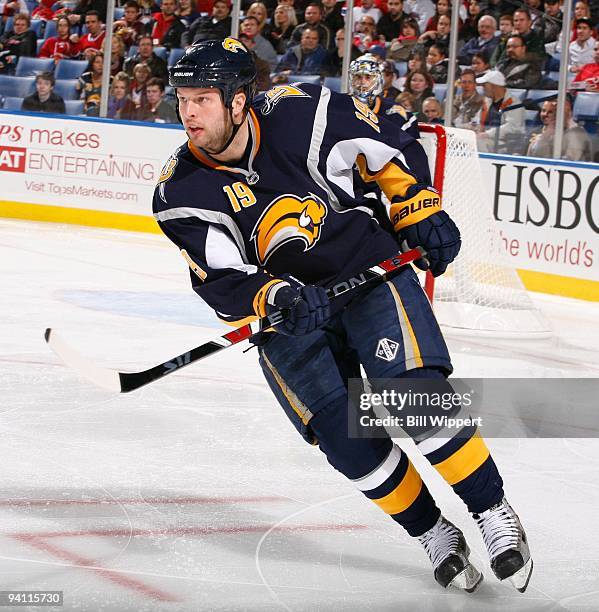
point(91, 172)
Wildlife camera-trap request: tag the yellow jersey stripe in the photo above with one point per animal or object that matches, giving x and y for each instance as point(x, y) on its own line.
point(259, 302)
point(412, 349)
point(299, 408)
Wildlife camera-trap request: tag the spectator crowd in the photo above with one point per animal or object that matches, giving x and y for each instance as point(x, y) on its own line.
point(506, 50)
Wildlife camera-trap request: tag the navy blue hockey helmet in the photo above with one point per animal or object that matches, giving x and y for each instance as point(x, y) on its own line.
point(223, 64)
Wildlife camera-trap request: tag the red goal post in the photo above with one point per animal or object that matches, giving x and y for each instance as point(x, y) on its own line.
point(481, 291)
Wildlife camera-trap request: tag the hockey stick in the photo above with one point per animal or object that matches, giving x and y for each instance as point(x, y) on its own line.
point(123, 382)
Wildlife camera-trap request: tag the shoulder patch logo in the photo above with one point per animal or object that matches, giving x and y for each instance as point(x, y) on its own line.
point(169, 169)
point(233, 45)
point(273, 96)
point(288, 218)
point(398, 109)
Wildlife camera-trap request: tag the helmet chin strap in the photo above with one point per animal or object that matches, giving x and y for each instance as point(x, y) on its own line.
point(233, 131)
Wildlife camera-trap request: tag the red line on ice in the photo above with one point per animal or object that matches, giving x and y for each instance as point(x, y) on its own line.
point(147, 500)
point(119, 578)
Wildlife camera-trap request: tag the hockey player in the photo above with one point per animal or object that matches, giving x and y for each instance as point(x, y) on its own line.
point(261, 199)
point(366, 83)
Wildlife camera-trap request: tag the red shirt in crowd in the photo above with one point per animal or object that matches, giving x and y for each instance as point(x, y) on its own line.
point(162, 25)
point(89, 40)
point(60, 48)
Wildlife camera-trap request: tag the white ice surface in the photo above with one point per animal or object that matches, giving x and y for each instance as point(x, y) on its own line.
point(195, 493)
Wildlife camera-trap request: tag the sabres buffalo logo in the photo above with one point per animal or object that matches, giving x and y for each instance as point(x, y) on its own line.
point(273, 96)
point(233, 45)
point(169, 169)
point(288, 218)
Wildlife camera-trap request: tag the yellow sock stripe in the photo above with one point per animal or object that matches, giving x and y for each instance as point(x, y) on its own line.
point(413, 357)
point(404, 494)
point(79, 216)
point(464, 461)
point(300, 409)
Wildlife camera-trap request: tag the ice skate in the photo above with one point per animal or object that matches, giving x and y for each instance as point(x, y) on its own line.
point(506, 544)
point(447, 549)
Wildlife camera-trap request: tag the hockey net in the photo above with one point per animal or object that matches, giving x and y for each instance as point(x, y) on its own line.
point(481, 291)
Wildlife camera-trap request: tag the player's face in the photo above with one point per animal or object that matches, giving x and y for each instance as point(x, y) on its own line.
point(363, 83)
point(204, 117)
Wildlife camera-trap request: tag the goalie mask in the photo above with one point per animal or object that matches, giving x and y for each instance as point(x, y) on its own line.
point(366, 78)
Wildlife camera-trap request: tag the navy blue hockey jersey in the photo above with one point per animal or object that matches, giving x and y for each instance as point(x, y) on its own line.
point(290, 208)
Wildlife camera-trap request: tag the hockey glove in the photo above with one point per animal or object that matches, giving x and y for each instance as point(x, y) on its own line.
point(308, 308)
point(439, 236)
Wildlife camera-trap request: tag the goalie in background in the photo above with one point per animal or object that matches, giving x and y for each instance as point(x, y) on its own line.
point(262, 199)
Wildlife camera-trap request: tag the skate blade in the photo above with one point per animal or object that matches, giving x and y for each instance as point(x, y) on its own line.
point(521, 578)
point(468, 579)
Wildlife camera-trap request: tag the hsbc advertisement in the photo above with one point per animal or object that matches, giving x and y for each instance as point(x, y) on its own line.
point(547, 213)
point(82, 164)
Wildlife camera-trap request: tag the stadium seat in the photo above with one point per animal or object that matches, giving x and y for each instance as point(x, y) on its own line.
point(402, 68)
point(70, 69)
point(30, 66)
point(518, 93)
point(333, 83)
point(532, 119)
point(535, 94)
point(50, 29)
point(40, 44)
point(36, 26)
point(8, 25)
point(74, 107)
point(66, 89)
point(174, 56)
point(304, 78)
point(119, 12)
point(552, 63)
point(132, 51)
point(586, 107)
point(440, 91)
point(553, 75)
point(12, 103)
point(161, 52)
point(18, 87)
